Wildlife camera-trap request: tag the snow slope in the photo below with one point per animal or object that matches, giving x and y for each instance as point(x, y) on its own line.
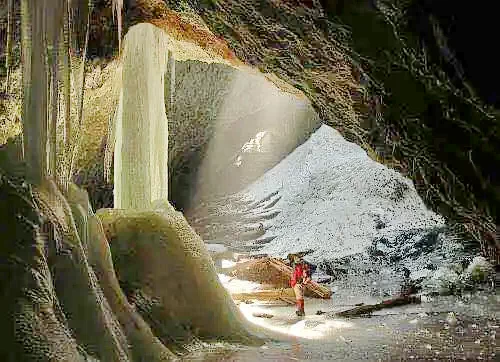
point(336, 200)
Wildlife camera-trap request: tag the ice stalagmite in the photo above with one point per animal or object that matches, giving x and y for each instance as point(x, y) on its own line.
point(141, 153)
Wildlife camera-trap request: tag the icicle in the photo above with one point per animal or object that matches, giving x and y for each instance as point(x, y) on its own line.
point(8, 48)
point(117, 11)
point(116, 144)
point(111, 140)
point(172, 79)
point(35, 90)
point(141, 152)
point(54, 43)
point(66, 61)
point(81, 91)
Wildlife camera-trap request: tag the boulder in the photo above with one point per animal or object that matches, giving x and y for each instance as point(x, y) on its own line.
point(478, 271)
point(443, 281)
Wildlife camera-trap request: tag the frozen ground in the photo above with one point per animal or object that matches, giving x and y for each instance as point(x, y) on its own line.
point(441, 328)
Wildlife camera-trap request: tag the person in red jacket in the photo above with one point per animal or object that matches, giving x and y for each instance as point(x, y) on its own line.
point(300, 277)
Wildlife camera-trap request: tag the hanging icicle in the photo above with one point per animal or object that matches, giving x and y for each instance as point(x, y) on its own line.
point(81, 93)
point(111, 139)
point(172, 80)
point(10, 36)
point(117, 11)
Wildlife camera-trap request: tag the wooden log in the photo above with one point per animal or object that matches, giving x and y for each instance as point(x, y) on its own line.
point(262, 315)
point(312, 286)
point(270, 294)
point(369, 308)
point(288, 300)
point(243, 257)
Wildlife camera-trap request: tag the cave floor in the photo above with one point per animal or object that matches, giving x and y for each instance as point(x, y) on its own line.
point(413, 332)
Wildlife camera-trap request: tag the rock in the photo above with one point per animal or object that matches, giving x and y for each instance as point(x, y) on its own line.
point(324, 280)
point(451, 319)
point(478, 271)
point(444, 281)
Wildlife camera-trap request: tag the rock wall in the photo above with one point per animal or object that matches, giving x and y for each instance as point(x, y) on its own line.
point(394, 76)
point(410, 111)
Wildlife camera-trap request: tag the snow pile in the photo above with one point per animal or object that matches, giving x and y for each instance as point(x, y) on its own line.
point(337, 201)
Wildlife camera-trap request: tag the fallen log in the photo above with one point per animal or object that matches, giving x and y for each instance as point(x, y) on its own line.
point(288, 300)
point(271, 294)
point(262, 315)
point(274, 272)
point(369, 308)
point(313, 287)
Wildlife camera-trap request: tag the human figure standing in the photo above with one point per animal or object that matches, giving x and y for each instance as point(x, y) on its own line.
point(300, 278)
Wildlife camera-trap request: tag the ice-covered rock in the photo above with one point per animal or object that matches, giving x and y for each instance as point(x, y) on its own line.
point(479, 270)
point(444, 281)
point(451, 319)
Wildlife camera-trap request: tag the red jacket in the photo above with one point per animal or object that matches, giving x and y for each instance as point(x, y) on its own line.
point(300, 272)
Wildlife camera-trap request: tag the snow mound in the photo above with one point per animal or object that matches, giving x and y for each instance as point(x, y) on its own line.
point(336, 200)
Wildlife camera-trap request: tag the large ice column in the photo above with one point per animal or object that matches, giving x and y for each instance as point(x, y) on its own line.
point(141, 150)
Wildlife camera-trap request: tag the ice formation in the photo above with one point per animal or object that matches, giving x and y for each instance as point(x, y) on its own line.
point(332, 197)
point(141, 153)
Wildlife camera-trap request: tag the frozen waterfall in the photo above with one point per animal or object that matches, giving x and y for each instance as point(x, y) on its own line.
point(141, 150)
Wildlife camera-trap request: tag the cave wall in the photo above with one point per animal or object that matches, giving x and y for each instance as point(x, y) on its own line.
point(216, 110)
point(410, 80)
point(411, 107)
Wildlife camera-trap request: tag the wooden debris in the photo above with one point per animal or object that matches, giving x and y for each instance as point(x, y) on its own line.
point(301, 254)
point(369, 308)
point(287, 300)
point(260, 271)
point(262, 315)
point(273, 272)
point(270, 294)
point(239, 257)
point(325, 280)
point(313, 287)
